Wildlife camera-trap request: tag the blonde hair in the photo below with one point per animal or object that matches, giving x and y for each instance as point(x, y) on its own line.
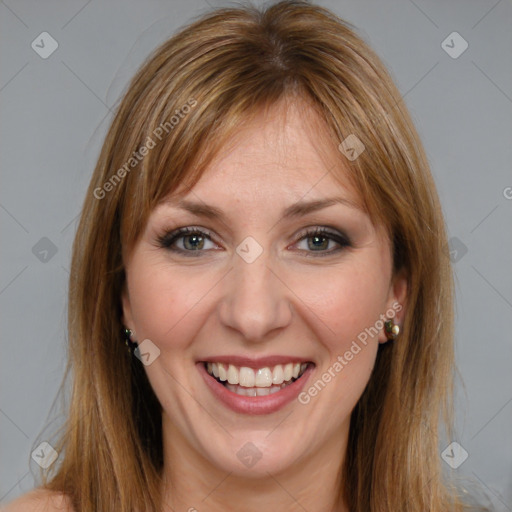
point(228, 66)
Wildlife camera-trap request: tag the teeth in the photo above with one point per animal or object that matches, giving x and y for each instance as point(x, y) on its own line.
point(247, 392)
point(278, 375)
point(247, 378)
point(233, 374)
point(222, 372)
point(288, 371)
point(263, 378)
point(239, 390)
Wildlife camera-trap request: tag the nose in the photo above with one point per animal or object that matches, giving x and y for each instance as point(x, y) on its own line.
point(256, 301)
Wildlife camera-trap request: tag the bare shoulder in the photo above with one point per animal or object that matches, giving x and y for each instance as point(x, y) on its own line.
point(39, 500)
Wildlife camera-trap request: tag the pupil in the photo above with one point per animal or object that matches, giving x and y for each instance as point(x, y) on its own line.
point(193, 242)
point(319, 242)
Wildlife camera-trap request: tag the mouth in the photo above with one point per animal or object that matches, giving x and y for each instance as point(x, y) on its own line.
point(253, 387)
point(252, 382)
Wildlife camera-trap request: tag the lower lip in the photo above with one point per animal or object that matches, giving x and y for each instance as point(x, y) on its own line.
point(256, 404)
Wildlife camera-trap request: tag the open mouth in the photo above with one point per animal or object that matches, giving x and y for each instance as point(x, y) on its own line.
point(252, 382)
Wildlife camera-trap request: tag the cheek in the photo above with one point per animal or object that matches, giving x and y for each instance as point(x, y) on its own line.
point(345, 301)
point(162, 300)
point(346, 309)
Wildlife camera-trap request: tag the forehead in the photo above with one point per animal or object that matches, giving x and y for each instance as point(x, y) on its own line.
point(285, 153)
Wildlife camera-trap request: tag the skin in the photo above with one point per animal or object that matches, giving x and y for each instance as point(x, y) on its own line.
point(291, 300)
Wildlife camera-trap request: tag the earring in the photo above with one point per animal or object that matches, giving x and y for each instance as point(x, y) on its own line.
point(132, 345)
point(392, 330)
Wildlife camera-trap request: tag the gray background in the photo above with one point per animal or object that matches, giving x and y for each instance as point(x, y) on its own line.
point(54, 115)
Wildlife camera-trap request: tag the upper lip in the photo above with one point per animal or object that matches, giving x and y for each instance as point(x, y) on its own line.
point(255, 362)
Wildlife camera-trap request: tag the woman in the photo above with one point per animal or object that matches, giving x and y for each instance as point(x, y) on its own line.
point(263, 227)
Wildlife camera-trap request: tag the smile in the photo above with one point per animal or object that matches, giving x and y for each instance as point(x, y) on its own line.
point(247, 381)
point(250, 386)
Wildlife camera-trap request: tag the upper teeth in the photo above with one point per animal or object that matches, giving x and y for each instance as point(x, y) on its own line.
point(262, 377)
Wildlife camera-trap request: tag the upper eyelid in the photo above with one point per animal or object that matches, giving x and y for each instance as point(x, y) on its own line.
point(183, 231)
point(321, 229)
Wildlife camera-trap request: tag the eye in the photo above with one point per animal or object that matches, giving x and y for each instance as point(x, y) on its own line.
point(323, 241)
point(187, 240)
point(192, 241)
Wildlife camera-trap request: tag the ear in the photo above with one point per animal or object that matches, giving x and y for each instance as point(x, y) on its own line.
point(396, 305)
point(127, 309)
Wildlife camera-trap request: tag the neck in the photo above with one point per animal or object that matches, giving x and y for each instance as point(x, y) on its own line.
point(192, 483)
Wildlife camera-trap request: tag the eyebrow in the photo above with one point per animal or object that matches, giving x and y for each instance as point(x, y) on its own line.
point(298, 209)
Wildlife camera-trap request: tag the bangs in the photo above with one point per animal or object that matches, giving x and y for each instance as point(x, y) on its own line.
point(179, 142)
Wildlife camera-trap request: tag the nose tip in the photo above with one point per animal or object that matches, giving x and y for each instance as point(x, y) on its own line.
point(255, 302)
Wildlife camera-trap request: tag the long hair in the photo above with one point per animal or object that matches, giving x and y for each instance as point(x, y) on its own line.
point(180, 109)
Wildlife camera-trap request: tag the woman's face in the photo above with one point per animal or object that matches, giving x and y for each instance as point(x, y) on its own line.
point(289, 275)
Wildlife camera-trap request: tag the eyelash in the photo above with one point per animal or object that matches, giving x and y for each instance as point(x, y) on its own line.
point(167, 240)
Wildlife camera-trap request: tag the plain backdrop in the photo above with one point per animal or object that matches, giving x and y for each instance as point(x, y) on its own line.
point(54, 115)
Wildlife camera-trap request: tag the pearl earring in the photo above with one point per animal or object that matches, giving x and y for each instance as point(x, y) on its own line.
point(392, 330)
